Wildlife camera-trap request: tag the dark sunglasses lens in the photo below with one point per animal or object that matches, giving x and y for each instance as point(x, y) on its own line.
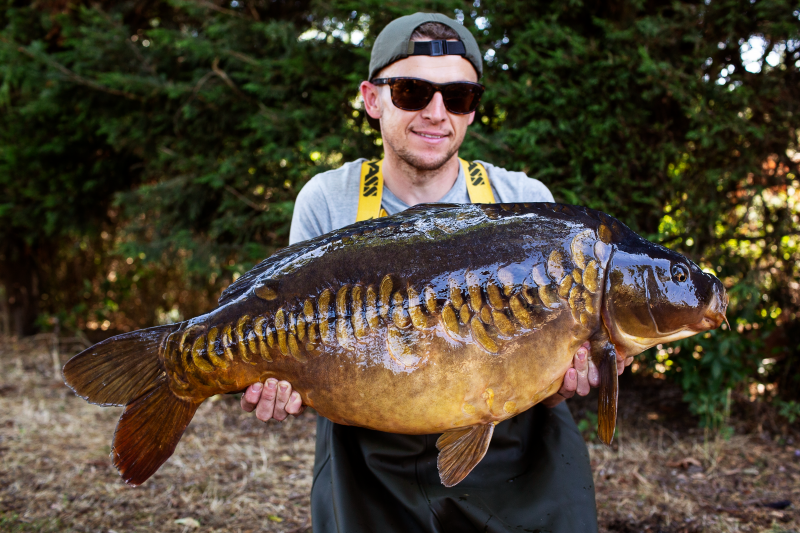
point(411, 95)
point(462, 98)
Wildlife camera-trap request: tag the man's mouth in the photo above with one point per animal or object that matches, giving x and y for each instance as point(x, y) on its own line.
point(430, 135)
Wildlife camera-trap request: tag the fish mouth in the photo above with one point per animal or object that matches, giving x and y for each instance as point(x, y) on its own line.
point(714, 315)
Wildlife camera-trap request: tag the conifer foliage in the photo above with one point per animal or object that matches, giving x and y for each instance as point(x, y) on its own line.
point(150, 150)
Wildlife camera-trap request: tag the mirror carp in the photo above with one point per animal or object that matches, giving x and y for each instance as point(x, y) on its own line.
point(440, 319)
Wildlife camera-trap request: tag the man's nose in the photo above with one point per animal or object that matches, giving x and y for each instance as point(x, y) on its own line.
point(435, 110)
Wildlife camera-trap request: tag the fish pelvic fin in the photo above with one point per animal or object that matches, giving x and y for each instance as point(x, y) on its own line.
point(461, 450)
point(604, 356)
point(120, 369)
point(148, 432)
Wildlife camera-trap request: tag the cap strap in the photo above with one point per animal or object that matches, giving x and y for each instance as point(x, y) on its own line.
point(436, 48)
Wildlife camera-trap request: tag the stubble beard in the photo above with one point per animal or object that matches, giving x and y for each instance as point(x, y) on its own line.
point(418, 162)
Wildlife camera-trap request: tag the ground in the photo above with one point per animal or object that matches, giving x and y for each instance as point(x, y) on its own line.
point(232, 473)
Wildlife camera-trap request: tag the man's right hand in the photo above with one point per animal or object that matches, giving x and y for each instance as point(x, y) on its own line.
point(273, 399)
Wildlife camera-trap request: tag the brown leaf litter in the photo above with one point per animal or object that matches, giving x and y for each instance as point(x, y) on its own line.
point(232, 473)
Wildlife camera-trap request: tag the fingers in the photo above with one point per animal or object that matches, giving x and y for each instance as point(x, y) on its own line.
point(284, 393)
point(622, 364)
point(251, 396)
point(272, 399)
point(567, 389)
point(581, 363)
point(594, 374)
point(295, 404)
point(266, 404)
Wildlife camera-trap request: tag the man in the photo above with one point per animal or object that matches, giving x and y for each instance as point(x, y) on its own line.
point(536, 474)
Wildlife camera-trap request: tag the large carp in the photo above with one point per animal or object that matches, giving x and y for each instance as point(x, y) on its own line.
point(441, 319)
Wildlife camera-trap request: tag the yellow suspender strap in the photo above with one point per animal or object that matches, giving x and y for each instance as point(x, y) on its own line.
point(370, 189)
point(478, 186)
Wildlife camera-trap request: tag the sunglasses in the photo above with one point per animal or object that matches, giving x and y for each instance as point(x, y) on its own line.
point(413, 94)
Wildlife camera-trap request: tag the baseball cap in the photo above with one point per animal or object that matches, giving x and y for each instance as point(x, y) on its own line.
point(394, 43)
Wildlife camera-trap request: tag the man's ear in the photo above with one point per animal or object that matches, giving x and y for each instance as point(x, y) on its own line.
point(471, 118)
point(369, 93)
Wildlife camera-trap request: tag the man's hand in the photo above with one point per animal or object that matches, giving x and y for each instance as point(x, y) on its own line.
point(582, 376)
point(273, 399)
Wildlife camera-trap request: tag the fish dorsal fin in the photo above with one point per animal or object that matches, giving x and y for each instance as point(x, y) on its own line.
point(287, 259)
point(460, 450)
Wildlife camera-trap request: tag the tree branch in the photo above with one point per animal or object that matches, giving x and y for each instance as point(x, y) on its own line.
point(77, 78)
point(229, 82)
point(214, 7)
point(483, 139)
point(244, 199)
point(243, 57)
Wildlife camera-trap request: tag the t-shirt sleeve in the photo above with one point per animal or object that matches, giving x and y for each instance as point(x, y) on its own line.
point(311, 217)
point(511, 186)
point(537, 189)
point(327, 202)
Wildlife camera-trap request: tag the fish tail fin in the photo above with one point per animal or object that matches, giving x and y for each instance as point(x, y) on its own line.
point(120, 369)
point(126, 370)
point(149, 430)
point(605, 358)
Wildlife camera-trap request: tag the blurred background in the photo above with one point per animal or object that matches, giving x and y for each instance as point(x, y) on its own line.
point(151, 151)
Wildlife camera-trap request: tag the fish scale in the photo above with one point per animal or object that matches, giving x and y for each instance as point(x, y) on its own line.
point(442, 319)
point(351, 321)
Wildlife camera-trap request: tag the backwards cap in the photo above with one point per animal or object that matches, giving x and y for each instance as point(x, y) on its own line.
point(394, 43)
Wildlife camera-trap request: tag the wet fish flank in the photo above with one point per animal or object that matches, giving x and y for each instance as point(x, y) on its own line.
point(480, 326)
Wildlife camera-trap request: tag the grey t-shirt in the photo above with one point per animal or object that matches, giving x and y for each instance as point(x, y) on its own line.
point(329, 200)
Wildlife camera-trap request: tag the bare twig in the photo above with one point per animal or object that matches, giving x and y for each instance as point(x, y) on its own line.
point(244, 199)
point(243, 57)
point(215, 7)
point(253, 11)
point(490, 142)
point(201, 82)
point(78, 78)
point(229, 82)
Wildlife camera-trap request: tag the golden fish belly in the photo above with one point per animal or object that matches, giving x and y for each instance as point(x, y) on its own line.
point(439, 384)
point(450, 387)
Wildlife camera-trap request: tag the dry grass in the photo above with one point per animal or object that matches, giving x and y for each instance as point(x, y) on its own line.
point(229, 473)
point(232, 473)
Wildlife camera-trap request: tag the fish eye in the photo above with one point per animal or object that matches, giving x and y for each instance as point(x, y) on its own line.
point(679, 273)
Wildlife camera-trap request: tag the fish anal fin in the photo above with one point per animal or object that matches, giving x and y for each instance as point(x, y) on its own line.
point(604, 356)
point(148, 432)
point(461, 450)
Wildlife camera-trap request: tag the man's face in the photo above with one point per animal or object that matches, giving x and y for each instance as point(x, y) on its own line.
point(428, 138)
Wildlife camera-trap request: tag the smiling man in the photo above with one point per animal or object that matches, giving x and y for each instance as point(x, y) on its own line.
point(423, 90)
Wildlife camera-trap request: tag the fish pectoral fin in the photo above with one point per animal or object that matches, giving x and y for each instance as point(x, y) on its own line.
point(460, 450)
point(604, 356)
